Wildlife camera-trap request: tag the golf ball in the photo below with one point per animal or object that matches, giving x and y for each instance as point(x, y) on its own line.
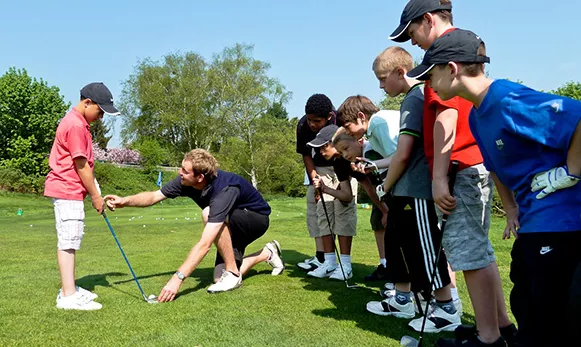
point(144, 225)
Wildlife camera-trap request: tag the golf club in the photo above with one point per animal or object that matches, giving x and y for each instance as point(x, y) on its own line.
point(409, 341)
point(152, 299)
point(350, 286)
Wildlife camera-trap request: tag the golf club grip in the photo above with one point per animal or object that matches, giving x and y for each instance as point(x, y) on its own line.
point(453, 173)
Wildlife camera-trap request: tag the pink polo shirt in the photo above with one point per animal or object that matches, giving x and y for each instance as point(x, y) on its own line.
point(73, 140)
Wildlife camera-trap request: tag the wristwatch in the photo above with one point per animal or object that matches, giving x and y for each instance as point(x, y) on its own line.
point(180, 275)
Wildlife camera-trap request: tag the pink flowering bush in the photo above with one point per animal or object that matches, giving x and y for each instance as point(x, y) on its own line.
point(116, 155)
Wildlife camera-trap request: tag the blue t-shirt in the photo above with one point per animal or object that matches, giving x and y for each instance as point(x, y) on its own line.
point(522, 132)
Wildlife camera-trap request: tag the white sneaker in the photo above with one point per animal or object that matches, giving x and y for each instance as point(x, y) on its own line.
point(389, 290)
point(77, 301)
point(83, 291)
point(390, 307)
point(309, 264)
point(228, 281)
point(275, 259)
point(338, 274)
point(325, 270)
point(457, 304)
point(438, 320)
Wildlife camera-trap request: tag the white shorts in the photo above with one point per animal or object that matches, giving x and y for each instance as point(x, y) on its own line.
point(70, 222)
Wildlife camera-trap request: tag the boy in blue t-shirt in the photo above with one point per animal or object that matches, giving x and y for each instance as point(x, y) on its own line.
point(531, 143)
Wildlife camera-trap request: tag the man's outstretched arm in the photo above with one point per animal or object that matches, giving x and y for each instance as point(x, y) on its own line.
point(143, 199)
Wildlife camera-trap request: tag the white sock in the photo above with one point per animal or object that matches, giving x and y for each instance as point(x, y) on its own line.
point(383, 262)
point(346, 260)
point(330, 259)
point(454, 292)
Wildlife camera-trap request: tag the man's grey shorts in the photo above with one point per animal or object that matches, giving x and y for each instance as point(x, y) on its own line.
point(466, 233)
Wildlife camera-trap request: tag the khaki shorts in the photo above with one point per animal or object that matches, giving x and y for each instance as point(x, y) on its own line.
point(329, 177)
point(343, 218)
point(70, 222)
point(466, 232)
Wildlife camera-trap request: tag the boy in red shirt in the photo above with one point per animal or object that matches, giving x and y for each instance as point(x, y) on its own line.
point(69, 180)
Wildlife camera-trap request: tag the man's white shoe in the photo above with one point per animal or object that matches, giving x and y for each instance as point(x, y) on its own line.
point(438, 320)
point(83, 291)
point(77, 301)
point(390, 307)
point(275, 259)
point(228, 281)
point(325, 270)
point(338, 274)
point(309, 264)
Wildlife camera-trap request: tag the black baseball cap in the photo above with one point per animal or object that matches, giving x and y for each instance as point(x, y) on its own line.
point(100, 95)
point(459, 46)
point(415, 9)
point(324, 136)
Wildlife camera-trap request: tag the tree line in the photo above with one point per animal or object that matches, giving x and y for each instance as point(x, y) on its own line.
point(228, 104)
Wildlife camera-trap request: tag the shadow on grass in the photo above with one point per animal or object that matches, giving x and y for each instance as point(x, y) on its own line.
point(350, 303)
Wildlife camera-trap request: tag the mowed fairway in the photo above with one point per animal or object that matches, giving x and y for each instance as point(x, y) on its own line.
point(287, 310)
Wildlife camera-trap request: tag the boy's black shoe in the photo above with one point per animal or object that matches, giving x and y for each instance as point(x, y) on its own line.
point(471, 342)
point(464, 332)
point(379, 274)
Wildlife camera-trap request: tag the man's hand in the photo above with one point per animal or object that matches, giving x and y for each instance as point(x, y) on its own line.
point(512, 223)
point(441, 193)
point(168, 293)
point(553, 180)
point(114, 201)
point(384, 219)
point(98, 203)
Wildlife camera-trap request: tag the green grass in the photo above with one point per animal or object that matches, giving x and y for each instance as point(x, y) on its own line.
point(288, 310)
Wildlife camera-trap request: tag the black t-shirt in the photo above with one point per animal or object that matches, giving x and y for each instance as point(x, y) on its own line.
point(225, 193)
point(344, 172)
point(306, 135)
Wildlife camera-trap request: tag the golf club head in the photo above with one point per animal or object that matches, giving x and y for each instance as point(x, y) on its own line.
point(152, 299)
point(408, 341)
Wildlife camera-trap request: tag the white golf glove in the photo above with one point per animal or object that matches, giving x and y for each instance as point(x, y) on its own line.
point(553, 180)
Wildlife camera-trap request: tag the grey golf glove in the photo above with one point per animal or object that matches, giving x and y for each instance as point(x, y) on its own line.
point(551, 181)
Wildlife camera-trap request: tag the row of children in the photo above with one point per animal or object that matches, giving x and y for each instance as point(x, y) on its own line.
point(527, 143)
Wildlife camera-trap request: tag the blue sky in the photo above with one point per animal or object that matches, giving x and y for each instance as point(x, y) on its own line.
point(313, 46)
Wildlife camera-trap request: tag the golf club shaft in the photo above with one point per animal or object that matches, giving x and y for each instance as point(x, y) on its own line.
point(451, 182)
point(124, 256)
point(333, 236)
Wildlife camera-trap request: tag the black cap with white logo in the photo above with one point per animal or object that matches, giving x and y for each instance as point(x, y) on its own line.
point(324, 136)
point(413, 10)
point(459, 46)
point(100, 95)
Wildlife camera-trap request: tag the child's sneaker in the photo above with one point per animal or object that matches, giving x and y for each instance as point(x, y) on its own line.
point(228, 281)
point(309, 264)
point(438, 320)
point(338, 274)
point(77, 301)
point(390, 307)
point(379, 274)
point(275, 259)
point(324, 270)
point(83, 291)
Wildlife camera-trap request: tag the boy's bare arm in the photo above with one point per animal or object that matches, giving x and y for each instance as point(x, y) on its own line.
point(510, 206)
point(143, 199)
point(310, 166)
point(399, 161)
point(86, 174)
point(344, 193)
point(444, 138)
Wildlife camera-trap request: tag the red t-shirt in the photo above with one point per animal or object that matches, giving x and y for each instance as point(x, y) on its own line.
point(73, 140)
point(465, 149)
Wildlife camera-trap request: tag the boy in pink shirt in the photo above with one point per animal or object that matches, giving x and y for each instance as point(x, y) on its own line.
point(69, 180)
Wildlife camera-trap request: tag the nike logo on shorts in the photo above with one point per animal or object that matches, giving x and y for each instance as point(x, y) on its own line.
point(545, 250)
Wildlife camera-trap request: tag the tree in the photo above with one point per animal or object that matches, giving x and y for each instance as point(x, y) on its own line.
point(277, 110)
point(570, 89)
point(243, 92)
point(99, 133)
point(30, 110)
point(389, 103)
point(171, 102)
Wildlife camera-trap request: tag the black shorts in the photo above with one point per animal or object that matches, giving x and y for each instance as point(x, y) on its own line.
point(546, 296)
point(412, 241)
point(245, 227)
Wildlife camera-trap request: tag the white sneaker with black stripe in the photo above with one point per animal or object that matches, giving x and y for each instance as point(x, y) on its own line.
point(423, 303)
point(324, 270)
point(438, 320)
point(309, 264)
point(390, 307)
